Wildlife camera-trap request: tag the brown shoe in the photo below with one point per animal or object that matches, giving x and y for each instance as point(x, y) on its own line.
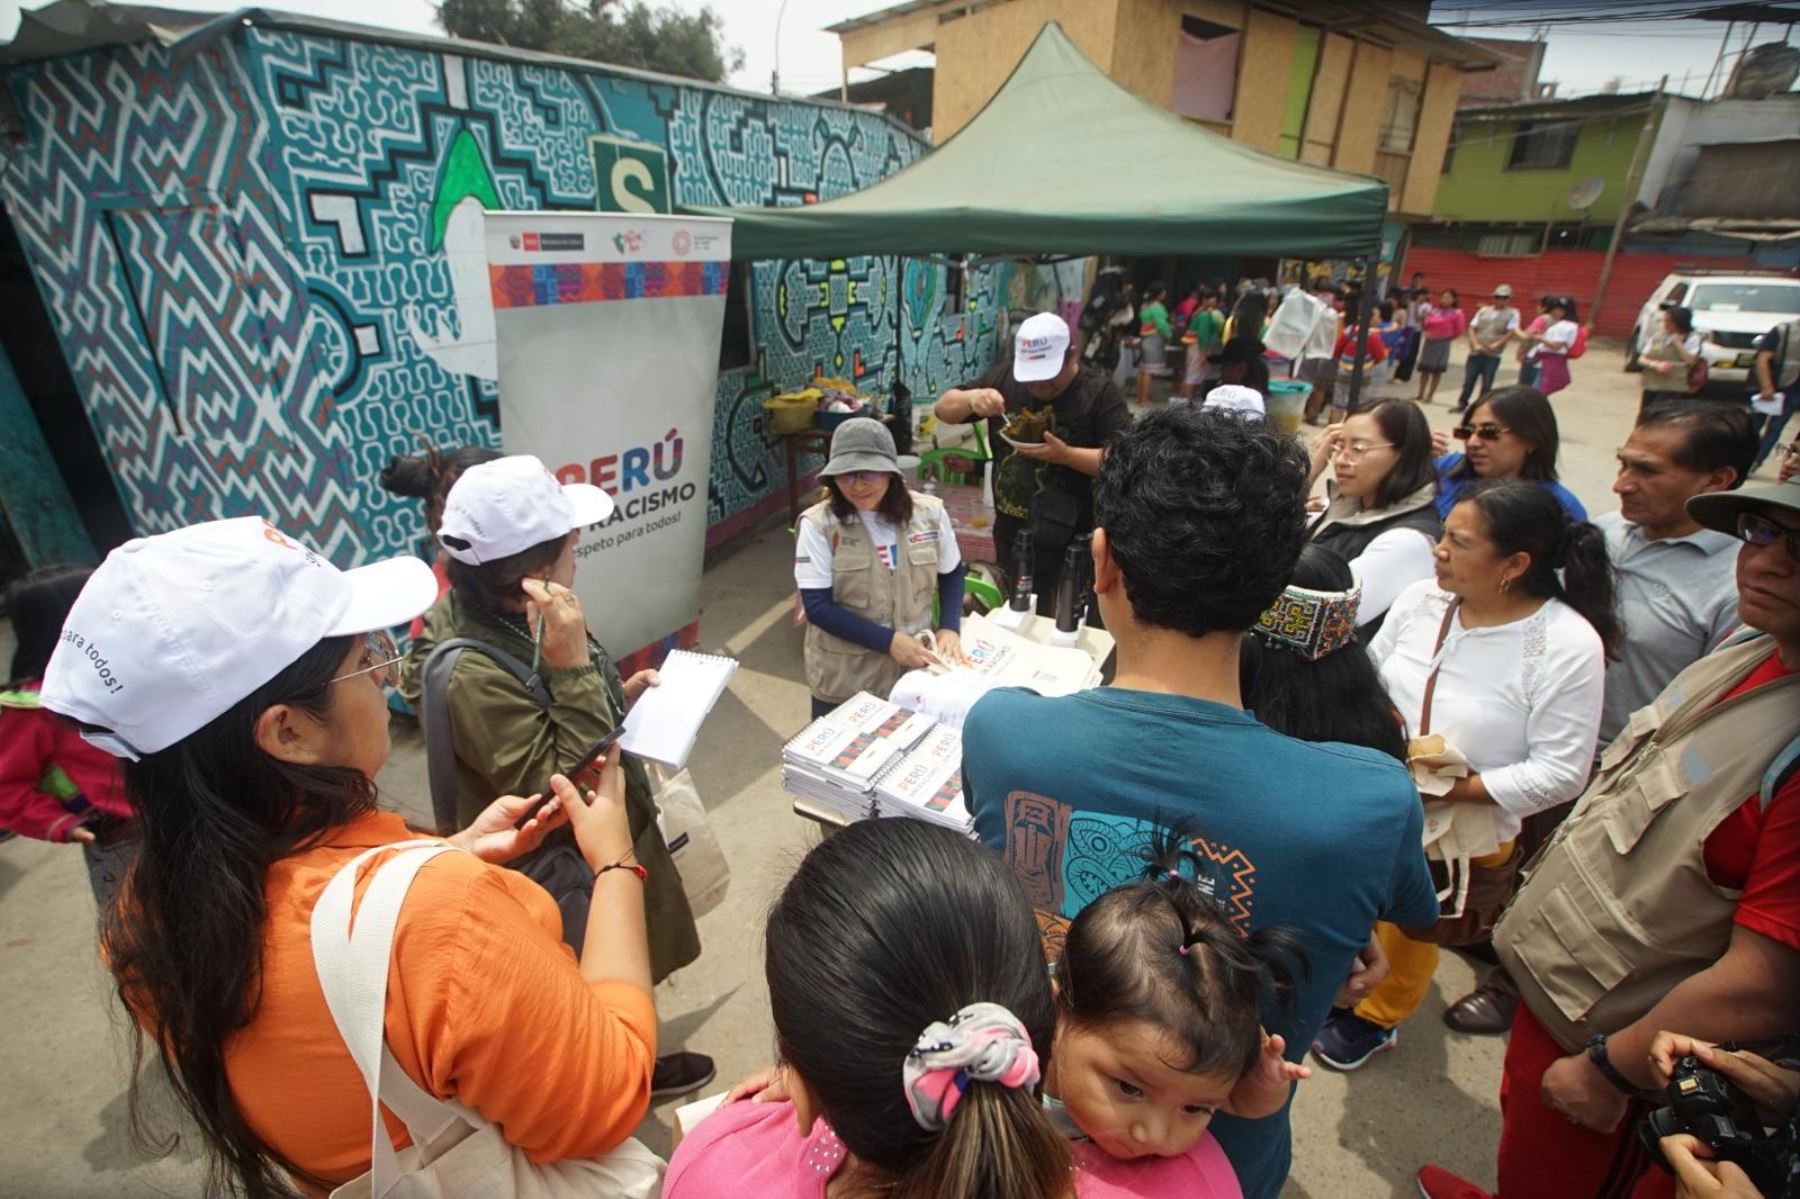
point(1487, 1010)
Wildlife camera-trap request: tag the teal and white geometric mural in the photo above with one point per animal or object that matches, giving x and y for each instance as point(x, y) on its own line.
point(248, 249)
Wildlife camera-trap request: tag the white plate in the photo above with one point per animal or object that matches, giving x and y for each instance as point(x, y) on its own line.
point(1022, 445)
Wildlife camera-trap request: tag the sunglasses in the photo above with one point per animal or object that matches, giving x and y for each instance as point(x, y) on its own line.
point(1761, 531)
point(1486, 431)
point(379, 657)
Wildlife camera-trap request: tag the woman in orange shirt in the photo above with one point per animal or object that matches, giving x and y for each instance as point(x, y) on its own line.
point(237, 672)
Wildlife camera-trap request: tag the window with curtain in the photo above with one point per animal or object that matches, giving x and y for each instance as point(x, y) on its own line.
point(1206, 63)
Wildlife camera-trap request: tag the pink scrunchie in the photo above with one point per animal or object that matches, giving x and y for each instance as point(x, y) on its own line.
point(983, 1042)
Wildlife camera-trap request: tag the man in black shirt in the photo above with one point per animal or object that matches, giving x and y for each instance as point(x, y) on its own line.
point(1047, 488)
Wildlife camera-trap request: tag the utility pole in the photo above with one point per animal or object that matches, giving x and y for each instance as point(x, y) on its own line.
point(1633, 178)
point(775, 71)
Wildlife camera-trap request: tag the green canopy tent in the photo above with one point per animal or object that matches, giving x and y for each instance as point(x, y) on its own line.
point(1065, 162)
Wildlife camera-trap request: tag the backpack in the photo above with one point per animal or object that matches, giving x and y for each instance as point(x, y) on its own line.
point(1579, 346)
point(557, 865)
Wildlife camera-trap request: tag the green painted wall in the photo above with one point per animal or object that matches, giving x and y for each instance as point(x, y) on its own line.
point(1478, 187)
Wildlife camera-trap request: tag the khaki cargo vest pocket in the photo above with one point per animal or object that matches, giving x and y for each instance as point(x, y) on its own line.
point(1553, 943)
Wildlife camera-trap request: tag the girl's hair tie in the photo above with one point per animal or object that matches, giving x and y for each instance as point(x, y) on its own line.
point(1182, 949)
point(983, 1042)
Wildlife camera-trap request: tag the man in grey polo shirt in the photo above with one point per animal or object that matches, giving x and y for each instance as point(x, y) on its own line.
point(1677, 588)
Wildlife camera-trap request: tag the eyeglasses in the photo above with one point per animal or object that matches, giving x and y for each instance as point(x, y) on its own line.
point(865, 478)
point(1356, 449)
point(379, 657)
point(1486, 431)
point(1761, 531)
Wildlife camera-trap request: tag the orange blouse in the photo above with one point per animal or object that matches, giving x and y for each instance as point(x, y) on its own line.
point(485, 1006)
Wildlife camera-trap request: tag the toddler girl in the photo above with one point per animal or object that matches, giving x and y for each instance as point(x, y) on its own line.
point(1159, 1027)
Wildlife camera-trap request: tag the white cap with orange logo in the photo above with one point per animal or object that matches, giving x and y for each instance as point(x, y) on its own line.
point(173, 630)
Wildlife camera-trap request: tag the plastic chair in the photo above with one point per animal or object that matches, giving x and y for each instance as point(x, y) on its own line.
point(937, 463)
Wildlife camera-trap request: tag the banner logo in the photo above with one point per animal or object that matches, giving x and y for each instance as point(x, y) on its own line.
point(547, 243)
point(628, 241)
point(683, 242)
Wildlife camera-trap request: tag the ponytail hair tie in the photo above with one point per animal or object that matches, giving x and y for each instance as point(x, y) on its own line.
point(1182, 949)
point(983, 1042)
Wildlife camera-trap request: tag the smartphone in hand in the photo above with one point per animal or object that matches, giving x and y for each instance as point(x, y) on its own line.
point(588, 764)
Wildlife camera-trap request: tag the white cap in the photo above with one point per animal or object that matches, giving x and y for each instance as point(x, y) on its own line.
point(500, 508)
point(1040, 347)
point(1233, 397)
point(173, 630)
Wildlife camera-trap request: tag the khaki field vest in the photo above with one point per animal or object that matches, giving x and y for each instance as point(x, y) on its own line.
point(1617, 909)
point(897, 599)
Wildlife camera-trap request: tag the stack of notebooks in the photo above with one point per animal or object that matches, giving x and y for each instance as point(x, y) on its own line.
point(838, 759)
point(870, 757)
point(927, 783)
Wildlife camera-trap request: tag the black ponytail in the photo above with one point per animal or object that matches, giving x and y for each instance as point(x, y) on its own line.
point(429, 476)
point(1568, 559)
point(1589, 586)
point(1164, 951)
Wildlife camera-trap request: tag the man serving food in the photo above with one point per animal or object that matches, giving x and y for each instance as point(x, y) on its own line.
point(1049, 416)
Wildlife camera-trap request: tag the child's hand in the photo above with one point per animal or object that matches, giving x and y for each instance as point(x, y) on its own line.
point(1264, 1090)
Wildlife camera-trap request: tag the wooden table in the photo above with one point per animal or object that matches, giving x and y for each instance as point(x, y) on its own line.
point(810, 441)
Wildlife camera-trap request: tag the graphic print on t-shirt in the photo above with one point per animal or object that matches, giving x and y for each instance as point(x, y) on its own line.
point(1067, 858)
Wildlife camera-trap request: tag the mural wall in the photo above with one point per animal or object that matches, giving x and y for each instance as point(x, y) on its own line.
point(250, 252)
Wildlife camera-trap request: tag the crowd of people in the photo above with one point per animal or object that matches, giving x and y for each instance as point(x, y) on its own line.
point(1436, 705)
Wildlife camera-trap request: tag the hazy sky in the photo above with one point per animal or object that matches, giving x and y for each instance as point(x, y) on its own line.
point(1582, 57)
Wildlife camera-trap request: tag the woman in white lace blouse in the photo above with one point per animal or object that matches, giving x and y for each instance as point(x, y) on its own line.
point(1516, 627)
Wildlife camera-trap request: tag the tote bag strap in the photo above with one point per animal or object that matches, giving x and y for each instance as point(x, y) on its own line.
point(1437, 664)
point(353, 973)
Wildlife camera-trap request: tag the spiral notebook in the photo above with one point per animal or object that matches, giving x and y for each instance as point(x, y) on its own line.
point(665, 722)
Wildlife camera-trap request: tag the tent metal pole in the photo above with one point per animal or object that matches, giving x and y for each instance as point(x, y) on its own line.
point(1366, 297)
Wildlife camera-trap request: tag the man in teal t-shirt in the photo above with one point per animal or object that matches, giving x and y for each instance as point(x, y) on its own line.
point(1200, 517)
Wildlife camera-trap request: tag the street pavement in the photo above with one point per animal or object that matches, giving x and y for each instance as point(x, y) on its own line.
point(1357, 1136)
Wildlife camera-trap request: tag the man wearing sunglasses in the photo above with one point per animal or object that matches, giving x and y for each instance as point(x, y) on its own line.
point(1671, 897)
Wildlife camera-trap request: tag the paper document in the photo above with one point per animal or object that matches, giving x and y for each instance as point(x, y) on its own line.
point(1771, 406)
point(666, 720)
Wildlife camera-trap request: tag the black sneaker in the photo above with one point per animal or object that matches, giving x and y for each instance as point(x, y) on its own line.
point(1347, 1042)
point(681, 1073)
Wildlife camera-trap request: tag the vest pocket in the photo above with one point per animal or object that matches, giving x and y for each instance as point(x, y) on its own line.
point(1646, 793)
point(1567, 955)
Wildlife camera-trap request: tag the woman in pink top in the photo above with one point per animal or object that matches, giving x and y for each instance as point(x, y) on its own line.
point(1443, 325)
point(914, 1014)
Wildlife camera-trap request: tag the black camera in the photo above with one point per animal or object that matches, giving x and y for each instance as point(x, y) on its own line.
point(1708, 1107)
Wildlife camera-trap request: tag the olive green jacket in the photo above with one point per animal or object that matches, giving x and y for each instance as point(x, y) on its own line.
point(507, 745)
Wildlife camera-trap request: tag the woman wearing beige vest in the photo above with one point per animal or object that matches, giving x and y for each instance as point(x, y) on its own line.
point(870, 557)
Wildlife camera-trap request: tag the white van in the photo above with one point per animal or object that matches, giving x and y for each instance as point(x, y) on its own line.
point(1730, 313)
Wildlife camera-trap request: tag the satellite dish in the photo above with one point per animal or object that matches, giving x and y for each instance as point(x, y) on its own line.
point(1583, 194)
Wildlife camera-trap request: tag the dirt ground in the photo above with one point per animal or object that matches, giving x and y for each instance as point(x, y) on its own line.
point(1359, 1136)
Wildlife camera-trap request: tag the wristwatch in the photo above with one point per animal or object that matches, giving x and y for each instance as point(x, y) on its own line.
point(1596, 1053)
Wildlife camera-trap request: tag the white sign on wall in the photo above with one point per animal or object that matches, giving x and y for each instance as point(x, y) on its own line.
point(607, 329)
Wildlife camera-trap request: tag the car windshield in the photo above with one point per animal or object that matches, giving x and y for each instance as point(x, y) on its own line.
point(1746, 297)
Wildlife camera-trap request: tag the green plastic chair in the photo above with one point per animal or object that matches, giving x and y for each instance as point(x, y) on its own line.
point(935, 463)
